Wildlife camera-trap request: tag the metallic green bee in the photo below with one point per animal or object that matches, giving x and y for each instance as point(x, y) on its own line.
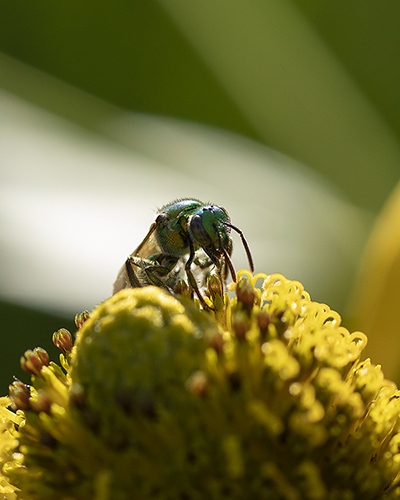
point(186, 234)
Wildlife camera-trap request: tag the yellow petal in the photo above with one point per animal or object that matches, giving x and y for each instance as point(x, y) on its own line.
point(376, 299)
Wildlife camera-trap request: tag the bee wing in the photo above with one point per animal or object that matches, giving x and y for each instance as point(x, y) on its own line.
point(147, 248)
point(122, 280)
point(149, 245)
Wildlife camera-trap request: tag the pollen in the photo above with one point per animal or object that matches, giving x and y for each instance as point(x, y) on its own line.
point(264, 395)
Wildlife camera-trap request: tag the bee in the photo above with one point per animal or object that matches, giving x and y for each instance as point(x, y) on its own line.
point(187, 238)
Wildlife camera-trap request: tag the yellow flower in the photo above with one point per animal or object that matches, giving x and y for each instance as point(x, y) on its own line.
point(264, 396)
point(376, 297)
point(8, 443)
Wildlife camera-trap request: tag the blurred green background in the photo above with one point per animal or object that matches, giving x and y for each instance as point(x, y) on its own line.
point(315, 80)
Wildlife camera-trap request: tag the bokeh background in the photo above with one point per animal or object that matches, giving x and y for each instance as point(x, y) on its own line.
point(286, 112)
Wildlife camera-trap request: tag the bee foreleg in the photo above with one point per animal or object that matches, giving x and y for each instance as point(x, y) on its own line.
point(192, 279)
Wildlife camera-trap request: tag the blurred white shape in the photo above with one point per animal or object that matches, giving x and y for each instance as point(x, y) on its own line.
point(74, 204)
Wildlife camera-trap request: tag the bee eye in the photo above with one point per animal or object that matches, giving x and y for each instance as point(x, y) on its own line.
point(199, 232)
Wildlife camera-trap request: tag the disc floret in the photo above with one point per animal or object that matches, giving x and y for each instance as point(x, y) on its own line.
point(264, 394)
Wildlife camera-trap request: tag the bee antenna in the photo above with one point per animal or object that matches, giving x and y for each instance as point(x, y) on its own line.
point(245, 244)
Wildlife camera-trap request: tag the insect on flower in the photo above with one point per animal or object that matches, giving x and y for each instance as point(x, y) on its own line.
point(187, 235)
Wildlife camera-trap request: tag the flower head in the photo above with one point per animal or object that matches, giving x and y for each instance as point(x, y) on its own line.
point(263, 396)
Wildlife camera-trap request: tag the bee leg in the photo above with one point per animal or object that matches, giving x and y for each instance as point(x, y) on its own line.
point(148, 269)
point(155, 273)
point(133, 279)
point(163, 266)
point(152, 272)
point(192, 280)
